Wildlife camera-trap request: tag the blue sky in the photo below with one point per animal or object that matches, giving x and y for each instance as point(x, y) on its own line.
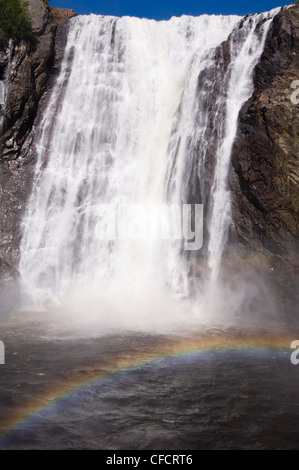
point(164, 9)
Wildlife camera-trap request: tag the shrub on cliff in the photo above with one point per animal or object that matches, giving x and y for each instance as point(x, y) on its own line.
point(15, 22)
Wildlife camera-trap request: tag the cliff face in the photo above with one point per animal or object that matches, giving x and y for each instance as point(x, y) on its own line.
point(265, 181)
point(26, 72)
point(265, 162)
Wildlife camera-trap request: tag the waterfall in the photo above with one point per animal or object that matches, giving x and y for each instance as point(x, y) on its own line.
point(139, 111)
point(246, 48)
point(4, 86)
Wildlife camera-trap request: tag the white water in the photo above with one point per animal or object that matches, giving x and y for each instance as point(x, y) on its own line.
point(4, 84)
point(128, 118)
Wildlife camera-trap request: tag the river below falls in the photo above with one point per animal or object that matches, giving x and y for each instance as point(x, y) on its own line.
point(211, 389)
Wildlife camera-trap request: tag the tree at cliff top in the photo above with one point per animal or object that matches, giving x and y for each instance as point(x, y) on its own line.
point(14, 22)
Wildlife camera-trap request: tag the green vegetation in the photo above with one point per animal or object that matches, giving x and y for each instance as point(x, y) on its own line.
point(15, 22)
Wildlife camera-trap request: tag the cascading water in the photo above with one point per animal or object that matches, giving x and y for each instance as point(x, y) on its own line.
point(129, 117)
point(246, 48)
point(3, 87)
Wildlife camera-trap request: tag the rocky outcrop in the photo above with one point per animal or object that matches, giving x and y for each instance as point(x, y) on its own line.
point(60, 15)
point(265, 174)
point(26, 71)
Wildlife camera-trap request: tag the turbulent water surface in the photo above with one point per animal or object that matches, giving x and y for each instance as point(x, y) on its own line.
point(214, 389)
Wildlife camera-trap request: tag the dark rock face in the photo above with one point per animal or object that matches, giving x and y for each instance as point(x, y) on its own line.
point(27, 72)
point(265, 162)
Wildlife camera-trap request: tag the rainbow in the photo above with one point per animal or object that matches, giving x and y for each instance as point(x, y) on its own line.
point(175, 347)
